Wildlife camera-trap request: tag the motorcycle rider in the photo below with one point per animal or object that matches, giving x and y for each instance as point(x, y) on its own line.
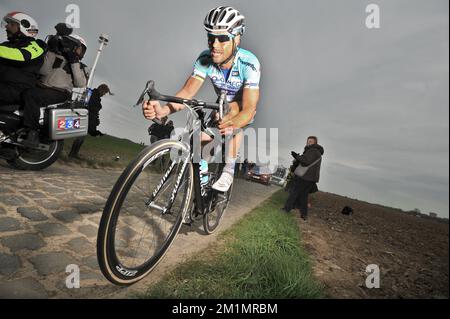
point(61, 72)
point(21, 57)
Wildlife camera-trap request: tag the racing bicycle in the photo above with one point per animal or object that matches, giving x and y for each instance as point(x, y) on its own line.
point(147, 207)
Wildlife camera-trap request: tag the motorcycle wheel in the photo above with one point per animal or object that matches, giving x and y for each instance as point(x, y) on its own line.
point(34, 159)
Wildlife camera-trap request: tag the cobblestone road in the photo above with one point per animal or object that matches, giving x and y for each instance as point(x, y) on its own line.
point(49, 220)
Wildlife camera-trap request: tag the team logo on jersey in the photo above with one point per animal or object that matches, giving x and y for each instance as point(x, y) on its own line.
point(250, 65)
point(235, 73)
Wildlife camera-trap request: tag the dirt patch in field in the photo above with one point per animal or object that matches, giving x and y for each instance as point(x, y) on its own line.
point(410, 251)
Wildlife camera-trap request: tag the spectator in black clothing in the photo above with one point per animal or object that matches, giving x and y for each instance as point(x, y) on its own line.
point(160, 131)
point(94, 108)
point(244, 167)
point(302, 186)
point(168, 129)
point(95, 105)
point(237, 168)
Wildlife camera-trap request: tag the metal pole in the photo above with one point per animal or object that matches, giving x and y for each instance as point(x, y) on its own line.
point(103, 39)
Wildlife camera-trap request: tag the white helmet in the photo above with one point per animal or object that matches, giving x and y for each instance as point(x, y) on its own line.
point(28, 26)
point(79, 39)
point(225, 18)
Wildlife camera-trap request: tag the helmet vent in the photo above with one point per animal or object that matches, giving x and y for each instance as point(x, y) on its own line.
point(214, 18)
point(222, 15)
point(231, 17)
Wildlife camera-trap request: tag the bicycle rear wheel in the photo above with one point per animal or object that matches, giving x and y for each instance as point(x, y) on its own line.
point(144, 213)
point(219, 202)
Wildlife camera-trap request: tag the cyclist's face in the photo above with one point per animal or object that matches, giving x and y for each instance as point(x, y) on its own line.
point(221, 46)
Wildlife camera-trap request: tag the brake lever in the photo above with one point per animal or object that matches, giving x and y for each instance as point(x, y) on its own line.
point(149, 90)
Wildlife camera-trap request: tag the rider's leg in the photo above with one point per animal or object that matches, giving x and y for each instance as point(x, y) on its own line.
point(33, 100)
point(75, 150)
point(36, 98)
point(9, 94)
point(232, 148)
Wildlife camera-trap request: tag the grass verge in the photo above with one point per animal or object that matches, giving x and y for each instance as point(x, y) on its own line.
point(102, 151)
point(260, 257)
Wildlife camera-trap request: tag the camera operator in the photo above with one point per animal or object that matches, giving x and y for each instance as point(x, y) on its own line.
point(61, 72)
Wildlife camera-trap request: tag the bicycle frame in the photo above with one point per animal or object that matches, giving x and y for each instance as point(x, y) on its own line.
point(175, 177)
point(195, 120)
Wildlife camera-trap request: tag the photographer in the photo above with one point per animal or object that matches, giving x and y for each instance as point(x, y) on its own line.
point(21, 57)
point(61, 72)
point(94, 107)
point(304, 181)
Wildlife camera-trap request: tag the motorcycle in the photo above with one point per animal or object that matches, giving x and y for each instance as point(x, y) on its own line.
point(57, 123)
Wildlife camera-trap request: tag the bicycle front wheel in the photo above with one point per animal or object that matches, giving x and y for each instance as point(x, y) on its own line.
point(144, 213)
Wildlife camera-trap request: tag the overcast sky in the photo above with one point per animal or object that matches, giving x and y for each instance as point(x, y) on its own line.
point(376, 98)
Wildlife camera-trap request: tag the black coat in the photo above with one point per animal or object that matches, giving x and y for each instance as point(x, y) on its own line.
point(94, 108)
point(24, 73)
point(161, 131)
point(310, 154)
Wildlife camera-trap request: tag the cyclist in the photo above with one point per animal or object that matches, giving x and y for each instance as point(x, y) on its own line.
point(230, 68)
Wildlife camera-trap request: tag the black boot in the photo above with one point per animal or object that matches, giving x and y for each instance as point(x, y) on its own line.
point(32, 139)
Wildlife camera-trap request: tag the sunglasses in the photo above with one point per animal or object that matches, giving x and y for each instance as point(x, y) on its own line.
point(220, 37)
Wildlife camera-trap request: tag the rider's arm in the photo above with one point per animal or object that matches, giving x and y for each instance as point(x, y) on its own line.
point(79, 75)
point(25, 55)
point(250, 100)
point(49, 61)
point(191, 86)
point(189, 90)
point(250, 97)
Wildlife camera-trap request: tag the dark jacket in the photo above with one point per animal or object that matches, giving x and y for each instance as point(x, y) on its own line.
point(310, 154)
point(21, 60)
point(94, 108)
point(161, 131)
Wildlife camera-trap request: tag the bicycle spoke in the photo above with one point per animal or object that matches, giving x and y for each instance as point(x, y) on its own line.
point(142, 230)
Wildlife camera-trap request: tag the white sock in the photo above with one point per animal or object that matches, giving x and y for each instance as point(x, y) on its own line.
point(229, 166)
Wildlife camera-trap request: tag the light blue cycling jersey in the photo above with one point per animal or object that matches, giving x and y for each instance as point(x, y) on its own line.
point(245, 73)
